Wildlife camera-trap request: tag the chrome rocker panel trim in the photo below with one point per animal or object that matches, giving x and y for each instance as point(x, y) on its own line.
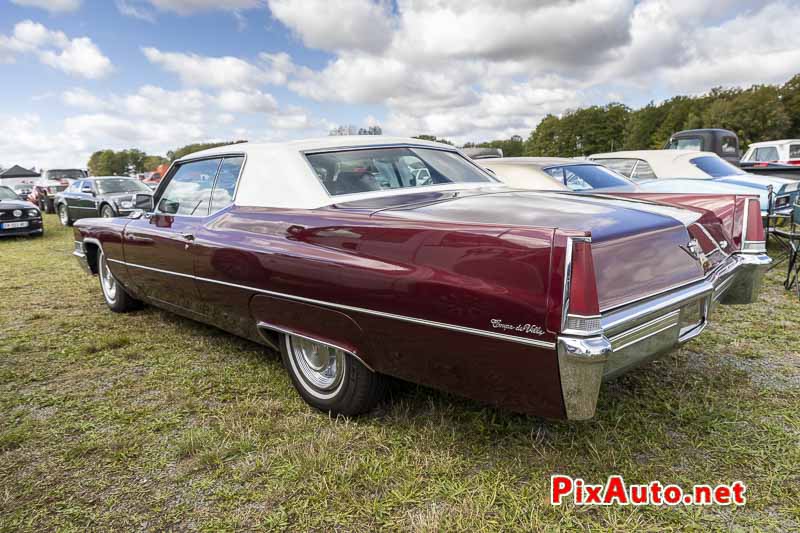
point(639, 332)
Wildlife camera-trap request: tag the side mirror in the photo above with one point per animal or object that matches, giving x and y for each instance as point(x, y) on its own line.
point(87, 190)
point(144, 202)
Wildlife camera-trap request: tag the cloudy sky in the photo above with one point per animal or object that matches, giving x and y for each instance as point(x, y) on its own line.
point(81, 75)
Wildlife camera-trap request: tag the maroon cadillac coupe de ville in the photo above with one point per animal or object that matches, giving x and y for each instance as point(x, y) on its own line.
point(360, 258)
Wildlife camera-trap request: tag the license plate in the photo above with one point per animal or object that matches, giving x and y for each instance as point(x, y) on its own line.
point(12, 225)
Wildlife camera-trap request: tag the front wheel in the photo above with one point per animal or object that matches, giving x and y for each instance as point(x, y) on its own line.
point(331, 379)
point(116, 298)
point(63, 215)
point(107, 212)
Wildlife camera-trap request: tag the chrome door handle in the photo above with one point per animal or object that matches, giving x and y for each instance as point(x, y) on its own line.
point(187, 236)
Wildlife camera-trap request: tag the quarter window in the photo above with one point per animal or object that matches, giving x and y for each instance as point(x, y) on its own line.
point(225, 187)
point(643, 172)
point(189, 190)
point(794, 151)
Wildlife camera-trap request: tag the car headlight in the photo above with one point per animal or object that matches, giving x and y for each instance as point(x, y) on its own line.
point(33, 212)
point(126, 204)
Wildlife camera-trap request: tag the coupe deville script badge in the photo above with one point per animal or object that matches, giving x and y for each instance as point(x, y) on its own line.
point(524, 328)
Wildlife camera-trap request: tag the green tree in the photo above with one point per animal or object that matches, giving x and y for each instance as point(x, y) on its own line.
point(790, 97)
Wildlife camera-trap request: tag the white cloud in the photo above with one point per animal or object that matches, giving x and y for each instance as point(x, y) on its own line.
point(246, 101)
point(338, 24)
point(54, 6)
point(83, 99)
point(131, 9)
point(219, 72)
point(186, 7)
point(78, 56)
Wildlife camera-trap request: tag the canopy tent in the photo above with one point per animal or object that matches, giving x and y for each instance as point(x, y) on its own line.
point(18, 172)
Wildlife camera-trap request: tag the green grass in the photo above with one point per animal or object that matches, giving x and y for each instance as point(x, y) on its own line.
point(151, 421)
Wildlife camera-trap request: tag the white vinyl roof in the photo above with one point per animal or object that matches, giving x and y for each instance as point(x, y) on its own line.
point(665, 163)
point(774, 143)
point(278, 174)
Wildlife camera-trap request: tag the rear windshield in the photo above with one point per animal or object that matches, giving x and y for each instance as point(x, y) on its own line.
point(588, 177)
point(690, 143)
point(356, 171)
point(111, 186)
point(69, 174)
point(623, 166)
point(716, 167)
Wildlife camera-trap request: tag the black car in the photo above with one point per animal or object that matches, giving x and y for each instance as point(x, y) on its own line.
point(109, 196)
point(18, 217)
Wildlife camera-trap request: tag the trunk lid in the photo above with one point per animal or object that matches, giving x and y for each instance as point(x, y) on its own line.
point(638, 248)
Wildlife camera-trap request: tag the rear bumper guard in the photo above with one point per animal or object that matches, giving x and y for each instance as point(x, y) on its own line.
point(641, 331)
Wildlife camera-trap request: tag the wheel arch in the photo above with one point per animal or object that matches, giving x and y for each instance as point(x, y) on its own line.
point(92, 248)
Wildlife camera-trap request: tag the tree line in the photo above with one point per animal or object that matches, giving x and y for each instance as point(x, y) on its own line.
point(133, 160)
point(756, 113)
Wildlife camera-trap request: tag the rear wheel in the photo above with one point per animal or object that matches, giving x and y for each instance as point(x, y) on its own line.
point(331, 379)
point(116, 298)
point(63, 215)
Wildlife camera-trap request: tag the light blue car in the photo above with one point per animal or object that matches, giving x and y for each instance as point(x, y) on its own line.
point(691, 171)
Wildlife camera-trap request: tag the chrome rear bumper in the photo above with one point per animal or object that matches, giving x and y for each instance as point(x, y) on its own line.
point(641, 331)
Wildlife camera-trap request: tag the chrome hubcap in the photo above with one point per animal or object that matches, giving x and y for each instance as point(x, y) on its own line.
point(62, 212)
point(107, 213)
point(320, 366)
point(107, 280)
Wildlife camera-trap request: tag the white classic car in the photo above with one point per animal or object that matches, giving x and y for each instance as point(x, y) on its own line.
point(675, 170)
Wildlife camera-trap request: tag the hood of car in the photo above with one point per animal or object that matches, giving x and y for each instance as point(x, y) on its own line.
point(16, 204)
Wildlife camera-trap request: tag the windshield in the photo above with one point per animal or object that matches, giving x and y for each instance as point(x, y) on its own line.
point(68, 174)
point(588, 177)
point(716, 167)
point(111, 186)
point(7, 194)
point(378, 169)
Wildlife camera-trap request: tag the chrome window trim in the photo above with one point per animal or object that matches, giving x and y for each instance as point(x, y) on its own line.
point(413, 320)
point(493, 180)
point(179, 162)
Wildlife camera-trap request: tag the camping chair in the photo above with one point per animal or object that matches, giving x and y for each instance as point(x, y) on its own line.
point(792, 240)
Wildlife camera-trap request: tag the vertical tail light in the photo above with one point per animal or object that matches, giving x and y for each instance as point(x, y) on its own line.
point(582, 307)
point(753, 240)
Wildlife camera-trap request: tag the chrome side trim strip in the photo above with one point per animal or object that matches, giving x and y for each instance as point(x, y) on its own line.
point(413, 320)
point(266, 325)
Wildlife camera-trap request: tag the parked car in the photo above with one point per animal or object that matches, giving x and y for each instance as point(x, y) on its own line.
point(51, 183)
point(643, 166)
point(724, 143)
point(558, 173)
point(106, 196)
point(774, 158)
point(357, 266)
point(18, 217)
point(23, 190)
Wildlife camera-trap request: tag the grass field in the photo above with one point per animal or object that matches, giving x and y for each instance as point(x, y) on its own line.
point(151, 421)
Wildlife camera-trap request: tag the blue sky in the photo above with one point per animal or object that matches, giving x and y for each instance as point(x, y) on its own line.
point(157, 74)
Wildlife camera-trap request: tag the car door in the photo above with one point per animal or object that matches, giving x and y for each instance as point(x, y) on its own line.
point(69, 200)
point(159, 247)
point(84, 201)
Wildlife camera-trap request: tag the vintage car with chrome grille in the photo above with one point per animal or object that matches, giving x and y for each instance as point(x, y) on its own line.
point(18, 217)
point(361, 258)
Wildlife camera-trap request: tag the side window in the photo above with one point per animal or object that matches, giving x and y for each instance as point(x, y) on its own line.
point(643, 172)
point(575, 182)
point(794, 151)
point(189, 190)
point(76, 186)
point(225, 187)
point(556, 172)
